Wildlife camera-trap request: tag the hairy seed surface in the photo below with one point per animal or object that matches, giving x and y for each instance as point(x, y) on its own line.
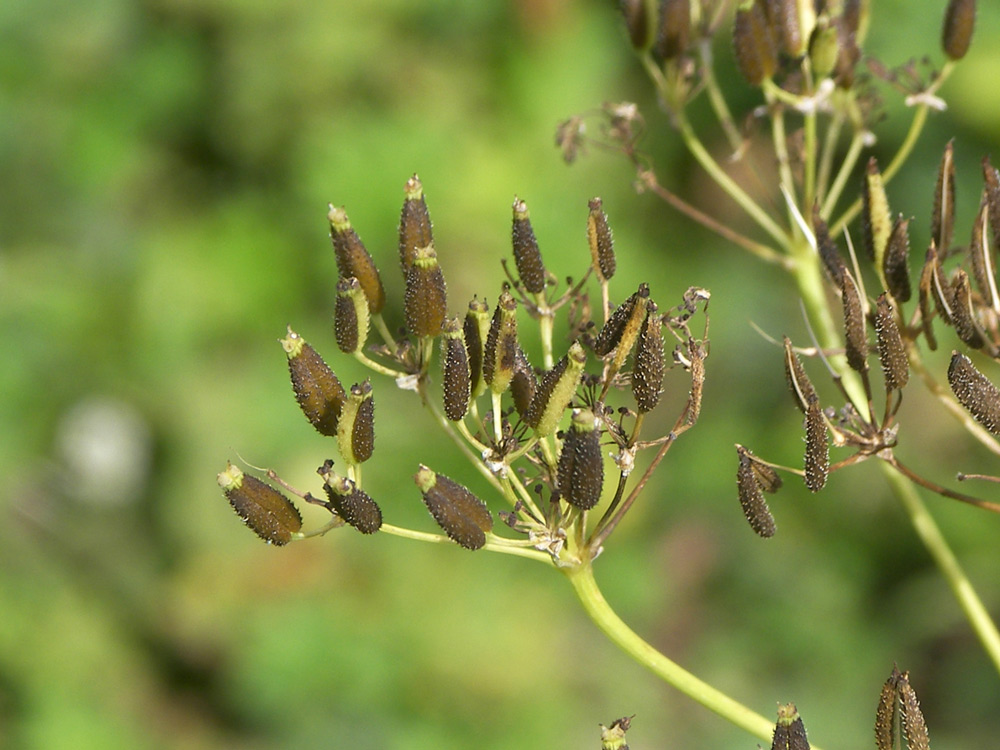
point(975, 392)
point(602, 246)
point(527, 256)
point(855, 335)
point(752, 501)
point(896, 263)
point(265, 511)
point(891, 352)
point(817, 462)
point(317, 390)
point(353, 258)
point(798, 381)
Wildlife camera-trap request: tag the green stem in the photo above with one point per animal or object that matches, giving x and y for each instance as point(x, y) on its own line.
point(582, 579)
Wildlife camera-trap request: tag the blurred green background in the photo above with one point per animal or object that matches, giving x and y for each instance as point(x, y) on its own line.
point(166, 167)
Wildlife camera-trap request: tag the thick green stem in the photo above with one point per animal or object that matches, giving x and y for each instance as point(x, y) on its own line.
point(582, 578)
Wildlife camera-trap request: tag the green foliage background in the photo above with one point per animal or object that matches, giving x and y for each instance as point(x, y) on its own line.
point(166, 166)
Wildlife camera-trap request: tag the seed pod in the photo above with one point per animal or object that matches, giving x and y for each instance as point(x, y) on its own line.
point(943, 215)
point(425, 303)
point(824, 48)
point(789, 731)
point(975, 392)
point(855, 336)
point(414, 224)
point(317, 389)
point(350, 316)
point(832, 261)
point(602, 245)
point(876, 221)
point(817, 463)
point(501, 348)
point(912, 720)
point(523, 385)
point(891, 352)
point(554, 393)
point(267, 512)
point(356, 429)
point(784, 19)
point(896, 263)
point(463, 516)
point(963, 314)
point(455, 381)
point(885, 714)
point(798, 381)
point(353, 259)
point(959, 23)
point(636, 16)
point(527, 256)
point(622, 327)
point(981, 257)
point(751, 498)
point(647, 374)
point(673, 29)
point(992, 180)
point(754, 42)
point(476, 328)
point(350, 502)
point(581, 465)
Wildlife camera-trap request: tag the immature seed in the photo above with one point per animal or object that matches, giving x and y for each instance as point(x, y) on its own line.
point(673, 29)
point(500, 353)
point(602, 246)
point(527, 256)
point(581, 465)
point(637, 23)
point(622, 328)
point(817, 463)
point(975, 392)
point(943, 216)
point(754, 42)
point(414, 224)
point(647, 374)
point(855, 336)
point(463, 516)
point(350, 502)
point(896, 263)
point(455, 378)
point(554, 393)
point(476, 328)
point(356, 429)
point(891, 352)
point(353, 259)
point(350, 316)
point(798, 381)
point(824, 48)
point(876, 221)
point(751, 496)
point(425, 303)
point(267, 512)
point(959, 23)
point(317, 389)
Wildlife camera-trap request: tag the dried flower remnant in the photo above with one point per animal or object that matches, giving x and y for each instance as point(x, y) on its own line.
point(975, 392)
point(463, 516)
point(581, 465)
point(267, 512)
point(789, 731)
point(350, 316)
point(891, 351)
point(317, 389)
point(527, 256)
point(817, 461)
point(455, 378)
point(415, 229)
point(353, 258)
point(751, 493)
point(959, 23)
point(425, 300)
point(601, 241)
point(356, 430)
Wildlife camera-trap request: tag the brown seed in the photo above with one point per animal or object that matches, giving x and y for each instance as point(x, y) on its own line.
point(455, 377)
point(975, 392)
point(317, 389)
point(784, 18)
point(581, 465)
point(556, 390)
point(527, 256)
point(817, 463)
point(476, 328)
point(425, 303)
point(500, 352)
point(696, 367)
point(356, 429)
point(926, 295)
point(855, 335)
point(622, 327)
point(602, 245)
point(414, 224)
point(673, 29)
point(891, 352)
point(523, 385)
point(637, 23)
point(896, 263)
point(963, 314)
point(647, 374)
point(754, 42)
point(798, 381)
point(751, 496)
point(463, 516)
point(789, 731)
point(828, 253)
point(914, 726)
point(350, 502)
point(353, 258)
point(959, 23)
point(992, 181)
point(943, 216)
point(350, 316)
point(265, 511)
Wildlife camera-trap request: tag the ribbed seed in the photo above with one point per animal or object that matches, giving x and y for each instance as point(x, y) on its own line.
point(637, 22)
point(554, 393)
point(414, 224)
point(425, 303)
point(647, 373)
point(350, 502)
point(501, 348)
point(914, 726)
point(265, 511)
point(855, 335)
point(353, 258)
point(891, 352)
point(350, 316)
point(476, 328)
point(754, 42)
point(523, 385)
point(981, 256)
point(963, 314)
point(789, 731)
point(959, 23)
point(455, 377)
point(317, 389)
point(601, 241)
point(817, 463)
point(975, 392)
point(885, 714)
point(622, 328)
point(943, 216)
point(799, 383)
point(876, 221)
point(673, 28)
point(356, 430)
point(828, 253)
point(896, 263)
point(752, 501)
point(527, 256)
point(581, 465)
point(463, 516)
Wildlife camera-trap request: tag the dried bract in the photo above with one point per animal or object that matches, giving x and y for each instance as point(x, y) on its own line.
point(267, 512)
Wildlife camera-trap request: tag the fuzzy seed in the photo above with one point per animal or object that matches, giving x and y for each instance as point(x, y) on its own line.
point(265, 511)
point(350, 502)
point(554, 393)
point(798, 381)
point(622, 329)
point(914, 726)
point(975, 392)
point(885, 714)
point(817, 463)
point(891, 352)
point(523, 385)
point(751, 497)
point(425, 303)
point(463, 516)
point(317, 389)
point(647, 374)
point(602, 245)
point(789, 731)
point(527, 256)
point(876, 221)
point(353, 258)
point(350, 316)
point(959, 23)
point(581, 465)
point(963, 314)
point(896, 263)
point(981, 256)
point(855, 336)
point(455, 382)
point(414, 224)
point(356, 429)
point(926, 295)
point(754, 42)
point(500, 352)
point(991, 179)
point(943, 215)
point(828, 253)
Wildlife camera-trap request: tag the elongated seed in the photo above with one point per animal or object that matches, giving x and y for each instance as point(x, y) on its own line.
point(265, 511)
point(975, 392)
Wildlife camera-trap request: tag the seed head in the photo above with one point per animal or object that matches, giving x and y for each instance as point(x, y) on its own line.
point(317, 389)
point(350, 502)
point(463, 516)
point(602, 245)
point(959, 23)
point(527, 256)
point(356, 429)
point(425, 303)
point(455, 376)
point(581, 465)
point(501, 344)
point(554, 393)
point(353, 259)
point(891, 352)
point(975, 392)
point(267, 512)
point(350, 316)
point(414, 224)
